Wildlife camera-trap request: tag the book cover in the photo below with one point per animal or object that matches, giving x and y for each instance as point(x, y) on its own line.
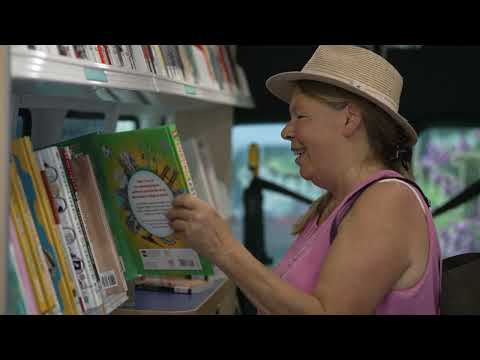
point(16, 296)
point(191, 58)
point(36, 259)
point(204, 78)
point(141, 63)
point(23, 277)
point(51, 164)
point(160, 61)
point(198, 171)
point(187, 65)
point(98, 229)
point(170, 65)
point(139, 173)
point(45, 224)
point(62, 236)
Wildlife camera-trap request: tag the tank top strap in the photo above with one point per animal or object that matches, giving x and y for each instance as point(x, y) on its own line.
point(350, 200)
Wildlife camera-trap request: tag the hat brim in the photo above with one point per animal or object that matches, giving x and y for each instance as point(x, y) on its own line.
point(282, 86)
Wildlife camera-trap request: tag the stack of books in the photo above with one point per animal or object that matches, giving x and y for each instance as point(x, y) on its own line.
point(209, 66)
point(88, 215)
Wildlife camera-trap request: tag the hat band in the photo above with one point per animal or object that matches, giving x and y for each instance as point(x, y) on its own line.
point(358, 85)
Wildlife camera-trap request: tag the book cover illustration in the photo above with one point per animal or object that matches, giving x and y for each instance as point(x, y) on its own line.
point(139, 173)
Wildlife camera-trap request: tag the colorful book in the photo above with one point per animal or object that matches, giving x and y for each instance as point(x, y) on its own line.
point(139, 173)
point(23, 276)
point(16, 295)
point(50, 163)
point(44, 220)
point(30, 245)
point(98, 231)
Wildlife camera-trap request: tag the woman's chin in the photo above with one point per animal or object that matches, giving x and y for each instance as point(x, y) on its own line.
point(304, 174)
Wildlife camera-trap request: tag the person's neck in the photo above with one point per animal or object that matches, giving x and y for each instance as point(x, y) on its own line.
point(351, 177)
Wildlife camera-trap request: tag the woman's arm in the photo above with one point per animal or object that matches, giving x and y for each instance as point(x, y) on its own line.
point(367, 258)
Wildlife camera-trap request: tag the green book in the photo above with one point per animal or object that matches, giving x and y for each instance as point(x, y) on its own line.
point(139, 173)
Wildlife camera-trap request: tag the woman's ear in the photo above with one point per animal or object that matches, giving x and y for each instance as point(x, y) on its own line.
point(353, 120)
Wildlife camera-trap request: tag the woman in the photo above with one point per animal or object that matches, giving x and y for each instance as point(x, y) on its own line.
point(369, 245)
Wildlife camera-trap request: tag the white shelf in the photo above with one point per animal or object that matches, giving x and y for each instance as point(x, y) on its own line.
point(29, 66)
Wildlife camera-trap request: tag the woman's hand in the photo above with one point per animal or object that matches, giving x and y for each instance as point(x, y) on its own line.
point(201, 227)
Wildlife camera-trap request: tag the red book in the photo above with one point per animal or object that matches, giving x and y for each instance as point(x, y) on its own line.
point(102, 55)
point(207, 60)
point(107, 54)
point(226, 69)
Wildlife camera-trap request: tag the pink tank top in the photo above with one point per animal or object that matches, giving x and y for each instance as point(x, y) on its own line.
point(303, 260)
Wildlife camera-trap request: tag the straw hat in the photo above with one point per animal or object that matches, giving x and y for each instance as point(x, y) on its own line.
point(352, 68)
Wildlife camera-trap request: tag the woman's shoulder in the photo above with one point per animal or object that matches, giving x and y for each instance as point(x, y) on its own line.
point(390, 198)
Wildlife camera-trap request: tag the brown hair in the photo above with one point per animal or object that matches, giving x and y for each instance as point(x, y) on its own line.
point(384, 135)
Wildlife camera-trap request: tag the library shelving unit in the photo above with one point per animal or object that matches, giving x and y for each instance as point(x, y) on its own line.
point(50, 85)
point(4, 151)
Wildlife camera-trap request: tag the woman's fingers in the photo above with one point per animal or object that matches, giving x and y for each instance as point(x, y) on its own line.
point(179, 213)
point(179, 225)
point(187, 201)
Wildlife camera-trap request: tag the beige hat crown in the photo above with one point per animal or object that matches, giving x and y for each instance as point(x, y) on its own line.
point(354, 69)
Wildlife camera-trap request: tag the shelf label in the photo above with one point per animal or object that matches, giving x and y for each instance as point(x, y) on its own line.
point(190, 90)
point(95, 74)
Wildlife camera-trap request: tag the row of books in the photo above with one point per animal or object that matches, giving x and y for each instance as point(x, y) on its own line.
point(211, 66)
point(88, 215)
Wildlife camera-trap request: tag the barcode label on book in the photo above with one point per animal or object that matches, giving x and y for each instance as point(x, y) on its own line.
point(170, 259)
point(108, 279)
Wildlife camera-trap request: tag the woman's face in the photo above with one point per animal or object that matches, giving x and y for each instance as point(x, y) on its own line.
point(314, 131)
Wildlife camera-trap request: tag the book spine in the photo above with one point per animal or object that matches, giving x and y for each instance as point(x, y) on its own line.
point(92, 275)
point(108, 56)
point(141, 63)
point(203, 73)
point(181, 156)
point(231, 60)
point(226, 67)
point(65, 282)
point(100, 54)
point(70, 227)
point(216, 66)
point(127, 51)
point(187, 66)
point(20, 258)
point(119, 53)
point(179, 62)
point(36, 268)
point(38, 205)
point(31, 246)
point(42, 162)
point(168, 61)
point(160, 60)
point(111, 272)
point(191, 58)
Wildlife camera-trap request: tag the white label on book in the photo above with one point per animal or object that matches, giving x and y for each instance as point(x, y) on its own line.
point(150, 199)
point(108, 279)
point(170, 259)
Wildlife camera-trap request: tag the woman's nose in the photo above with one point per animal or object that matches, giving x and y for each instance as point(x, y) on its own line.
point(287, 132)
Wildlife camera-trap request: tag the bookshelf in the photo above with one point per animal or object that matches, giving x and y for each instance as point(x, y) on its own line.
point(50, 85)
point(90, 81)
point(4, 193)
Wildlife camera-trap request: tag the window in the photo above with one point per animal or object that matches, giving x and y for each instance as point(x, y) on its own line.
point(446, 161)
point(127, 123)
point(81, 123)
point(277, 165)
